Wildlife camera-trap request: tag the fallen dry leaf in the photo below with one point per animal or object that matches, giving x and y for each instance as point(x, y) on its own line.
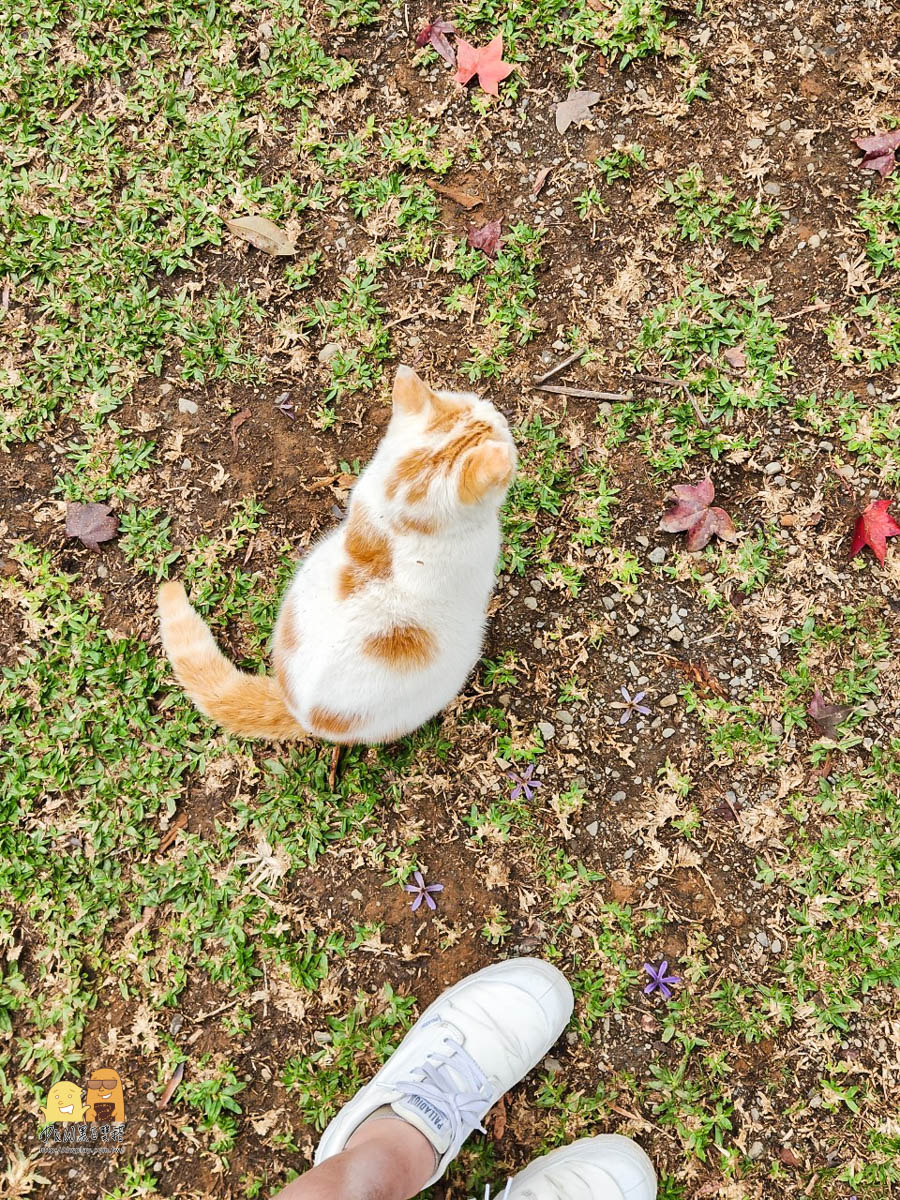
point(575, 107)
point(693, 514)
point(236, 422)
point(487, 238)
point(466, 199)
point(873, 528)
point(435, 34)
point(788, 1157)
point(879, 152)
point(497, 1119)
point(264, 234)
point(487, 63)
point(177, 1076)
point(91, 523)
point(828, 716)
point(735, 356)
point(168, 838)
point(540, 180)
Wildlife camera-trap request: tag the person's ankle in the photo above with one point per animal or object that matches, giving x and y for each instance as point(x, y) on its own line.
point(408, 1148)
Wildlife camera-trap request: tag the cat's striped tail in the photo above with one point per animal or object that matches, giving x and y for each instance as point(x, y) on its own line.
point(248, 705)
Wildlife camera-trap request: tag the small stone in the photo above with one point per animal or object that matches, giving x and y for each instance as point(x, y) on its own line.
point(553, 1065)
point(668, 732)
point(754, 143)
point(608, 603)
point(772, 468)
point(676, 635)
point(547, 730)
point(564, 718)
point(632, 630)
point(763, 939)
point(593, 828)
point(756, 1150)
point(356, 894)
point(176, 1024)
point(186, 464)
point(776, 946)
point(618, 797)
point(668, 701)
point(329, 351)
point(826, 447)
point(772, 188)
point(814, 242)
point(186, 406)
point(530, 602)
point(657, 555)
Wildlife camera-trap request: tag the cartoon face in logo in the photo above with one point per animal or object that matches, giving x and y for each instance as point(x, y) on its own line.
point(64, 1103)
point(105, 1101)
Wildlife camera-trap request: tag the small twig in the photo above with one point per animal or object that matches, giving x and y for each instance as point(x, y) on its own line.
point(583, 393)
point(666, 379)
point(215, 1012)
point(560, 367)
point(801, 312)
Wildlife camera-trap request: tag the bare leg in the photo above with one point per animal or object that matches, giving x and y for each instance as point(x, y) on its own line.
point(385, 1160)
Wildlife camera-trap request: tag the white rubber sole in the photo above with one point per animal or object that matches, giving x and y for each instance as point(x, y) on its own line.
point(619, 1157)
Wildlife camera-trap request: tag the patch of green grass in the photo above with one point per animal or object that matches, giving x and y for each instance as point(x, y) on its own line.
point(701, 211)
point(685, 338)
point(349, 1052)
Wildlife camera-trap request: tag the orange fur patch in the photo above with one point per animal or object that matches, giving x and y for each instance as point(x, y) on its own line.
point(418, 469)
point(285, 642)
point(444, 414)
point(487, 466)
point(368, 550)
point(402, 647)
point(410, 524)
point(331, 724)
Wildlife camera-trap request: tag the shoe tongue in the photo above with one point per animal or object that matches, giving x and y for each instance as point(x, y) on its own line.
point(430, 1120)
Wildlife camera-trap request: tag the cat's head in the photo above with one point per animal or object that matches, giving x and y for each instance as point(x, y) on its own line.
point(450, 450)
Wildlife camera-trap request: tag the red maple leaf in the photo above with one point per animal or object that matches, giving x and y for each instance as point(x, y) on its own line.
point(487, 238)
point(435, 33)
point(873, 528)
point(879, 152)
point(693, 513)
point(487, 63)
point(827, 716)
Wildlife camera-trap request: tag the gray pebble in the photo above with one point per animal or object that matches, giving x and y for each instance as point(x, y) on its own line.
point(668, 701)
point(618, 797)
point(530, 602)
point(632, 630)
point(772, 188)
point(593, 828)
point(176, 1024)
point(668, 732)
point(756, 1150)
point(657, 556)
point(675, 635)
point(547, 730)
point(772, 468)
point(329, 351)
point(553, 1065)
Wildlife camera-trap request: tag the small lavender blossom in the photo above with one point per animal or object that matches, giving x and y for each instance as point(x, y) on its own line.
point(525, 785)
point(630, 704)
point(285, 404)
point(659, 979)
point(423, 891)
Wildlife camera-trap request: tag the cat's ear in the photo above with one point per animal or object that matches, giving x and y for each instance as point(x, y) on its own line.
point(410, 394)
point(488, 466)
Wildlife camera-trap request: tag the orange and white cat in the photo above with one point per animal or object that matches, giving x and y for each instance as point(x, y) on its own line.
point(384, 619)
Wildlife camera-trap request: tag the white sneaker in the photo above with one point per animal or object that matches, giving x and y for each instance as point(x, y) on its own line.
point(609, 1167)
point(470, 1046)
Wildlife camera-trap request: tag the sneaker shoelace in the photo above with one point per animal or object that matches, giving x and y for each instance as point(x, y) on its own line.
point(497, 1195)
point(462, 1105)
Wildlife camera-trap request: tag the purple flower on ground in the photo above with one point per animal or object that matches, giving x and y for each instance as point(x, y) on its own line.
point(285, 404)
point(659, 979)
point(630, 704)
point(525, 785)
point(423, 891)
